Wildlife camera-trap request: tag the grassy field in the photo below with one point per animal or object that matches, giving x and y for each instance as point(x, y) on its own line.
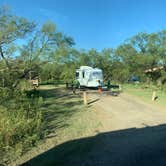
point(65, 118)
point(145, 93)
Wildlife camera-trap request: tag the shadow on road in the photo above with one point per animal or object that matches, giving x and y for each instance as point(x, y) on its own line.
point(128, 147)
point(93, 101)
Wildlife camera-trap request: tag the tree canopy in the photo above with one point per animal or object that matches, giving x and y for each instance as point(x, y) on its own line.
point(51, 54)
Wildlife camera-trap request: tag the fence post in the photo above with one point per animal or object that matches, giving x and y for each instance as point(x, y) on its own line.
point(85, 97)
point(153, 95)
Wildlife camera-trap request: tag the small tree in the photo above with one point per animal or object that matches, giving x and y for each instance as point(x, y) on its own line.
point(12, 28)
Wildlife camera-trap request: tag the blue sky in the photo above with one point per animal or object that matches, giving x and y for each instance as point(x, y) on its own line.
point(95, 23)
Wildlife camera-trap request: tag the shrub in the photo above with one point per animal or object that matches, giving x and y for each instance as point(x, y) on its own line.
point(21, 123)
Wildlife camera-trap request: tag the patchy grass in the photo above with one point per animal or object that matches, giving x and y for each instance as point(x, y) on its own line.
point(145, 93)
point(65, 118)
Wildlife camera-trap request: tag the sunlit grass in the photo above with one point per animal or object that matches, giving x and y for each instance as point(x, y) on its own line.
point(145, 93)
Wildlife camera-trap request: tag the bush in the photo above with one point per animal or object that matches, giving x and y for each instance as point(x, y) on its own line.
point(21, 124)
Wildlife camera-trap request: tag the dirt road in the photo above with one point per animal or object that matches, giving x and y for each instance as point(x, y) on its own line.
point(132, 133)
point(127, 111)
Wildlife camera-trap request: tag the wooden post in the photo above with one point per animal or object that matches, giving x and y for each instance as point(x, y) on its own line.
point(85, 98)
point(153, 95)
point(120, 87)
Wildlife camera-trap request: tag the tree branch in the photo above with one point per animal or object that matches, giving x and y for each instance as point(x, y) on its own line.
point(3, 57)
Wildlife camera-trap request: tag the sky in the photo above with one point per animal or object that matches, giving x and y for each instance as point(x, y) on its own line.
point(95, 23)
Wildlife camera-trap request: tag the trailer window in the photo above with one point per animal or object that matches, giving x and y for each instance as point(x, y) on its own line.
point(97, 75)
point(77, 75)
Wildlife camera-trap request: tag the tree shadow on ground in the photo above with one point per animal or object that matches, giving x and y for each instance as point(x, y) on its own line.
point(58, 107)
point(128, 147)
point(56, 93)
point(93, 101)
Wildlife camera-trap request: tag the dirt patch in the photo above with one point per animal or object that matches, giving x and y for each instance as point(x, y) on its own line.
point(125, 111)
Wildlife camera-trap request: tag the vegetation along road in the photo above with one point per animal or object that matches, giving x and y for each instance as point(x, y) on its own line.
point(129, 132)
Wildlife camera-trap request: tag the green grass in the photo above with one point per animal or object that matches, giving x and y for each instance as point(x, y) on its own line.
point(145, 93)
point(65, 119)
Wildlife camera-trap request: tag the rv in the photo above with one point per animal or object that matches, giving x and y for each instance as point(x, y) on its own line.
point(89, 77)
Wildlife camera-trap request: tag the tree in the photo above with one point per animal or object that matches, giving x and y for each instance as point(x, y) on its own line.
point(47, 46)
point(143, 51)
point(12, 28)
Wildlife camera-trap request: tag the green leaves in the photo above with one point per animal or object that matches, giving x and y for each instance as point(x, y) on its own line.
point(48, 28)
point(13, 28)
point(144, 51)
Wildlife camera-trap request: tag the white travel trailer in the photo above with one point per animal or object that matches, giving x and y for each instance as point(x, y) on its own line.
point(89, 77)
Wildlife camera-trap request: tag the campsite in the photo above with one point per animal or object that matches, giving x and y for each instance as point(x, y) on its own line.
point(82, 83)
